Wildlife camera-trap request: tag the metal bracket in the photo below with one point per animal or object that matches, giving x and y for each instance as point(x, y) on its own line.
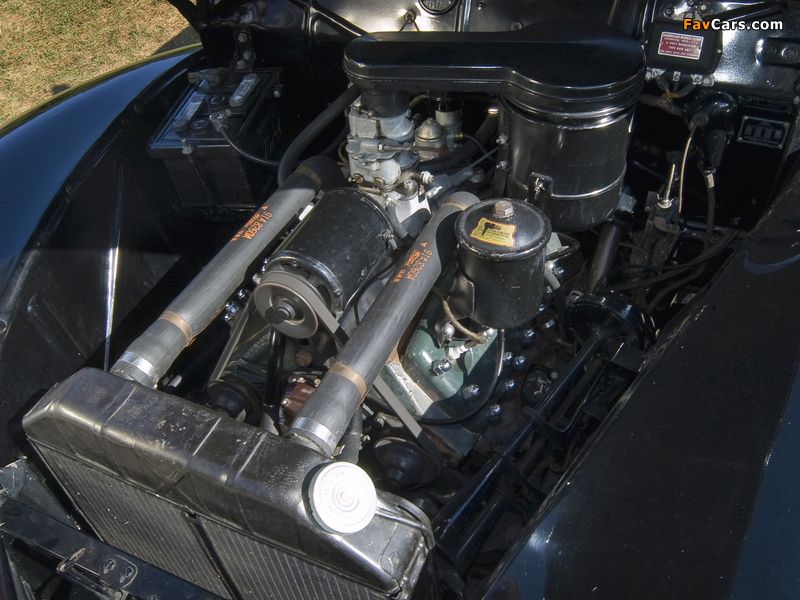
point(106, 571)
point(245, 55)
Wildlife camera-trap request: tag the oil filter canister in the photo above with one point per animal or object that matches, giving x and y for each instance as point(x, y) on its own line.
point(502, 249)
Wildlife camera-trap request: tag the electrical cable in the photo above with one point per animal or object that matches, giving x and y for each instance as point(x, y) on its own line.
point(692, 129)
point(709, 179)
point(501, 350)
point(480, 160)
point(449, 313)
point(712, 204)
point(677, 269)
point(474, 140)
point(703, 257)
point(256, 159)
point(571, 248)
point(463, 152)
point(675, 286)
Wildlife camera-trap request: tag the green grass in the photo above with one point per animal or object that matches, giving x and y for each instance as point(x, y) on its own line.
point(47, 46)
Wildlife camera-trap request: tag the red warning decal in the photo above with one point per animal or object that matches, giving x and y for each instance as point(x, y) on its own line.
point(680, 45)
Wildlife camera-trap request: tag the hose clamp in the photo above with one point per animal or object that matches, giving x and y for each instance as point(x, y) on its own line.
point(316, 432)
point(351, 376)
point(179, 322)
point(140, 364)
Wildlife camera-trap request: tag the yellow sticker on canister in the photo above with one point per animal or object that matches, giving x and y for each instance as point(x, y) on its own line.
point(498, 234)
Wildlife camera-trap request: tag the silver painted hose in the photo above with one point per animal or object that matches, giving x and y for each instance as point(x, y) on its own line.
point(323, 419)
point(149, 357)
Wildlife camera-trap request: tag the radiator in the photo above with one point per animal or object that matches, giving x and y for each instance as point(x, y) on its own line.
point(216, 502)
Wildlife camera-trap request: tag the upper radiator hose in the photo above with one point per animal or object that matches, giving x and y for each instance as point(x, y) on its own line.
point(148, 358)
point(324, 417)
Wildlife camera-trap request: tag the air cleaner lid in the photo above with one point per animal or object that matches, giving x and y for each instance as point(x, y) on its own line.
point(555, 68)
point(503, 229)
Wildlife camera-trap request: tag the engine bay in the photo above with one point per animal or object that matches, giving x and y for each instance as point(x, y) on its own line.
point(444, 252)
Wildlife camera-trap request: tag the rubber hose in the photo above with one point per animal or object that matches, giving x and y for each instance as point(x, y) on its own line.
point(313, 129)
point(351, 440)
point(400, 232)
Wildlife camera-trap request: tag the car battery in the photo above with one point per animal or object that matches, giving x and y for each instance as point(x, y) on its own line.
point(211, 179)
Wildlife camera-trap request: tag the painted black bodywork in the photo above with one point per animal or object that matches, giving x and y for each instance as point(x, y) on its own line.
point(77, 183)
point(690, 489)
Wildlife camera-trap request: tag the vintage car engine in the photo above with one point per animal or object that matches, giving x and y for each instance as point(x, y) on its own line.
point(420, 323)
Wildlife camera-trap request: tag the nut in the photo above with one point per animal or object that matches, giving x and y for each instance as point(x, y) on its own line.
point(425, 177)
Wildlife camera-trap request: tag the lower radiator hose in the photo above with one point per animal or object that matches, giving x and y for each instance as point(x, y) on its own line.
point(324, 417)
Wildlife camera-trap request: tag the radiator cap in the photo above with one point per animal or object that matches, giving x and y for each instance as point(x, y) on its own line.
point(342, 498)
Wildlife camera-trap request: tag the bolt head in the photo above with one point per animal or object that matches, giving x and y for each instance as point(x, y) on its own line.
point(503, 209)
point(520, 362)
point(449, 330)
point(508, 385)
point(242, 38)
point(471, 391)
point(528, 335)
point(285, 311)
point(440, 367)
